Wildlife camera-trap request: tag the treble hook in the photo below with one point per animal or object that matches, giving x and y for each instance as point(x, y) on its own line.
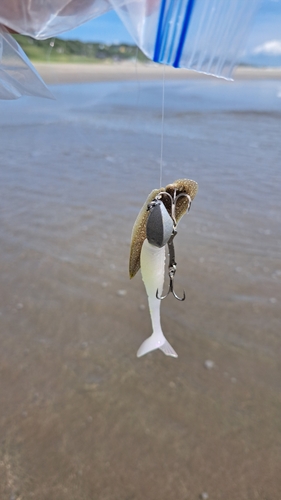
point(174, 200)
point(172, 270)
point(172, 262)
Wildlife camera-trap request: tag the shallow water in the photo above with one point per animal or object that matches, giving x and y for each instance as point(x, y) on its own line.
point(81, 416)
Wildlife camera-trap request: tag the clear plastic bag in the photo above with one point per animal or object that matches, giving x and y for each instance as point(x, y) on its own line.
point(17, 75)
point(44, 19)
point(202, 35)
point(39, 19)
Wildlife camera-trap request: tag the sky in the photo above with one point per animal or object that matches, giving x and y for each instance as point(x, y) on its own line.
point(106, 29)
point(263, 41)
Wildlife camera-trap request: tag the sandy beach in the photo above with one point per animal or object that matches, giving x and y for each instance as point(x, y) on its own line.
point(78, 73)
point(81, 417)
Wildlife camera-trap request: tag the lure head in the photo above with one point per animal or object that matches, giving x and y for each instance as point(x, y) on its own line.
point(184, 186)
point(159, 226)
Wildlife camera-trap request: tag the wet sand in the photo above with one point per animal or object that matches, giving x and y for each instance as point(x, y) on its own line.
point(53, 73)
point(81, 417)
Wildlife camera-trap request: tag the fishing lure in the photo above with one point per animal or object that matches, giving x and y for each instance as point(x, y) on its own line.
point(154, 228)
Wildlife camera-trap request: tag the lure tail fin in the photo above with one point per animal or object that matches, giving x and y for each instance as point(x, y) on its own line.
point(168, 349)
point(153, 342)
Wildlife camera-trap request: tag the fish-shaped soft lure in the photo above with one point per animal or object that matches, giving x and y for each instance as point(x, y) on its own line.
point(154, 227)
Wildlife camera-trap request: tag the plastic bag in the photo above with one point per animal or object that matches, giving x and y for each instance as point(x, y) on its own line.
point(202, 35)
point(44, 19)
point(17, 75)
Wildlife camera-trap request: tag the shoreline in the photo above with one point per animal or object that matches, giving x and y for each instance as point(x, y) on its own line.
point(57, 74)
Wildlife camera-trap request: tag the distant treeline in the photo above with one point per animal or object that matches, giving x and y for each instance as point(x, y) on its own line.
point(57, 50)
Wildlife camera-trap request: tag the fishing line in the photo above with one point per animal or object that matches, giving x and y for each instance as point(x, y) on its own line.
point(137, 77)
point(162, 125)
point(136, 63)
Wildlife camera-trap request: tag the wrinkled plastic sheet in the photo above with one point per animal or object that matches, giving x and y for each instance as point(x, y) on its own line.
point(17, 75)
point(203, 35)
point(43, 19)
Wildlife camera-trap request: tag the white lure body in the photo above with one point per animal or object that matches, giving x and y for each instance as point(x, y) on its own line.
point(152, 264)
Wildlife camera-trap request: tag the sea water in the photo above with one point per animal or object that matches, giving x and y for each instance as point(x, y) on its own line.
point(74, 174)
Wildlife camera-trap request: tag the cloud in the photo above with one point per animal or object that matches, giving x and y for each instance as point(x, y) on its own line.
point(272, 48)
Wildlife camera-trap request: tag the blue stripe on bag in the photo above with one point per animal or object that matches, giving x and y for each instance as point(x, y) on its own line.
point(159, 33)
point(163, 31)
point(174, 29)
point(185, 25)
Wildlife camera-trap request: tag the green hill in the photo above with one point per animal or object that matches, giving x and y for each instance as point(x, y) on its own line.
point(57, 50)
